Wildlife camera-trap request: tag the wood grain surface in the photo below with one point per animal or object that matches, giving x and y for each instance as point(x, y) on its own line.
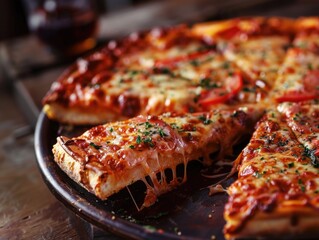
point(27, 208)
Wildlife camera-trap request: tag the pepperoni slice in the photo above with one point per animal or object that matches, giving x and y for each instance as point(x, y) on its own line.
point(309, 92)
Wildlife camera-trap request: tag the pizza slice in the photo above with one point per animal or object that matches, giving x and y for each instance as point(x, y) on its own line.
point(277, 191)
point(161, 71)
point(256, 45)
point(298, 79)
point(110, 157)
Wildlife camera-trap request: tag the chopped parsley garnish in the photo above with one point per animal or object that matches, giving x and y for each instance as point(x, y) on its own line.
point(138, 139)
point(162, 133)
point(257, 174)
point(111, 129)
point(97, 147)
point(291, 165)
point(174, 126)
point(282, 143)
point(207, 84)
point(195, 63)
point(226, 65)
point(162, 70)
point(205, 120)
point(310, 67)
point(148, 125)
point(133, 72)
point(311, 154)
point(247, 89)
point(148, 141)
point(302, 186)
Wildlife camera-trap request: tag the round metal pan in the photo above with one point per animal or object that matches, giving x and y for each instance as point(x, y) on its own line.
point(185, 213)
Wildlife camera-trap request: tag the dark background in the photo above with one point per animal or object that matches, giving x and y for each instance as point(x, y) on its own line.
point(13, 17)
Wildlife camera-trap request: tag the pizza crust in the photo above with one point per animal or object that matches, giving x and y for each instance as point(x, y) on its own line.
point(102, 183)
point(80, 116)
point(292, 222)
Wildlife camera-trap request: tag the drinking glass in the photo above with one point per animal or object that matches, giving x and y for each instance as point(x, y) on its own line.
point(65, 26)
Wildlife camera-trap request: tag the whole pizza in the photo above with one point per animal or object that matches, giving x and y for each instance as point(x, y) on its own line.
point(162, 98)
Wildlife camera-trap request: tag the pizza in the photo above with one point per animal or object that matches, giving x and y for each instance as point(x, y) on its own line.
point(161, 98)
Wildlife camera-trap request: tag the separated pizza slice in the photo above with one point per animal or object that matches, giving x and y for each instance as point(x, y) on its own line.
point(110, 157)
point(256, 44)
point(277, 191)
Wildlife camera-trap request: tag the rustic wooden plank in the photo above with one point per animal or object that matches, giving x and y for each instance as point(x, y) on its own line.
point(27, 209)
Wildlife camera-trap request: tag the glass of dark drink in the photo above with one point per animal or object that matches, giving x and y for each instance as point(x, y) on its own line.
point(67, 27)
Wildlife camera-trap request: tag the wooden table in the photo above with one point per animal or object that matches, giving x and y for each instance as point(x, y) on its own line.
point(27, 209)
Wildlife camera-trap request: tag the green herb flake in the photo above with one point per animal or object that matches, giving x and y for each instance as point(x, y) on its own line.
point(291, 165)
point(162, 133)
point(310, 67)
point(162, 70)
point(138, 139)
point(311, 154)
point(207, 83)
point(97, 147)
point(195, 63)
point(205, 120)
point(247, 89)
point(302, 186)
point(174, 126)
point(148, 141)
point(226, 65)
point(257, 174)
point(148, 125)
point(133, 72)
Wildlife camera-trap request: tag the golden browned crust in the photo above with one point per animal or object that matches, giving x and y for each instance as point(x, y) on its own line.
point(103, 183)
point(289, 221)
point(80, 116)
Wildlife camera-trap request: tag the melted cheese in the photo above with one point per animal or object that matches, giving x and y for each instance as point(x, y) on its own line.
point(298, 63)
point(259, 57)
